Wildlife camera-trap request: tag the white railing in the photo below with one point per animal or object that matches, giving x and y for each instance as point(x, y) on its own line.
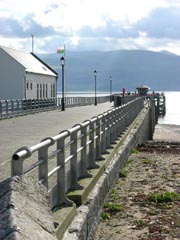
point(12, 108)
point(61, 160)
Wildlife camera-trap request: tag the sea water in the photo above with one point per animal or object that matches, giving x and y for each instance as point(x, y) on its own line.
point(172, 109)
point(172, 105)
point(84, 94)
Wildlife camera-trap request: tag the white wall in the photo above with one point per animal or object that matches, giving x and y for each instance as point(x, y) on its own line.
point(11, 78)
point(40, 86)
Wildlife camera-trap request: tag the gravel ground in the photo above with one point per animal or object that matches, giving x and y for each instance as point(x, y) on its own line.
point(145, 202)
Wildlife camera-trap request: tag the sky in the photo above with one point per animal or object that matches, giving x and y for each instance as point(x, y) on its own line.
point(85, 25)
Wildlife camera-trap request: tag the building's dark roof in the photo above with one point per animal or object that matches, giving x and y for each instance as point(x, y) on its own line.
point(45, 64)
point(143, 87)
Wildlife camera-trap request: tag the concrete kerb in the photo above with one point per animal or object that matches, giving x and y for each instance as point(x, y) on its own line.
point(24, 210)
point(88, 215)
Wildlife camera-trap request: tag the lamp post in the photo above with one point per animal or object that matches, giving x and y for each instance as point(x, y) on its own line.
point(62, 99)
point(110, 78)
point(95, 98)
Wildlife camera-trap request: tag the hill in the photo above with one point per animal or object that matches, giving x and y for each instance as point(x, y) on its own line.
point(129, 68)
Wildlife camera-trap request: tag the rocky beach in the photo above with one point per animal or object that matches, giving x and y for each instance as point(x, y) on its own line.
point(145, 201)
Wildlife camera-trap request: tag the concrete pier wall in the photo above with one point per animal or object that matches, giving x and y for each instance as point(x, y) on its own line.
point(25, 213)
point(88, 215)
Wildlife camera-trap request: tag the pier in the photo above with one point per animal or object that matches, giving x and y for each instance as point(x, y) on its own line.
point(104, 135)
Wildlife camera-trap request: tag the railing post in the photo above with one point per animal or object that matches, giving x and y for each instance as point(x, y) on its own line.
point(92, 150)
point(44, 103)
point(98, 140)
point(113, 122)
point(31, 105)
point(84, 154)
point(61, 175)
point(125, 116)
point(73, 162)
point(118, 121)
point(7, 108)
point(12, 107)
point(17, 164)
point(108, 130)
point(21, 105)
point(17, 106)
point(26, 105)
point(1, 110)
point(58, 102)
point(131, 112)
point(36, 105)
point(111, 126)
point(103, 134)
point(43, 167)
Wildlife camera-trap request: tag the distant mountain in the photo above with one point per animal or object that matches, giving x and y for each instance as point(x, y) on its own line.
point(128, 68)
point(167, 52)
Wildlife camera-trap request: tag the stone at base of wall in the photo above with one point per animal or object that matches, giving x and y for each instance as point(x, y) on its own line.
point(86, 220)
point(24, 210)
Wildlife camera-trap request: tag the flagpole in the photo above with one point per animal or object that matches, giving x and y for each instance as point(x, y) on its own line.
point(64, 50)
point(32, 37)
point(65, 70)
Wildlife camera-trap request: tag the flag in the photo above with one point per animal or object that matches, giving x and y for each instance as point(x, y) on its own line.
point(60, 50)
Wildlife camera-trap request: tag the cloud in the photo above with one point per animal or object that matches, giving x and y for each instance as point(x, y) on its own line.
point(11, 28)
point(51, 8)
point(111, 29)
point(14, 28)
point(161, 23)
point(91, 24)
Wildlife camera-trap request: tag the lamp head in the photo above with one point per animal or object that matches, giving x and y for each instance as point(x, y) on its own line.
point(62, 61)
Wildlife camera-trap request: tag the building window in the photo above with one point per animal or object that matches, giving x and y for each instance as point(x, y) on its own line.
point(53, 90)
point(46, 90)
point(29, 85)
point(40, 90)
point(37, 90)
point(43, 90)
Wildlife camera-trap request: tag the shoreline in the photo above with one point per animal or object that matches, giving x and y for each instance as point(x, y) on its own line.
point(167, 132)
point(130, 211)
point(137, 214)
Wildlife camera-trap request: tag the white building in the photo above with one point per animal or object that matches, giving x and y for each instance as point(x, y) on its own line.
point(24, 75)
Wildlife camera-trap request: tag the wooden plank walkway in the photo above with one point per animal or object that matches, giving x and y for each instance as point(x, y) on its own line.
point(31, 129)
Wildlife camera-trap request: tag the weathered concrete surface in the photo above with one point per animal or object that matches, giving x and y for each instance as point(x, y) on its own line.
point(24, 210)
point(84, 224)
point(30, 129)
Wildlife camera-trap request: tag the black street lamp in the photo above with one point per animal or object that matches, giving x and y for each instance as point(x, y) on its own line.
point(62, 99)
point(110, 78)
point(95, 98)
